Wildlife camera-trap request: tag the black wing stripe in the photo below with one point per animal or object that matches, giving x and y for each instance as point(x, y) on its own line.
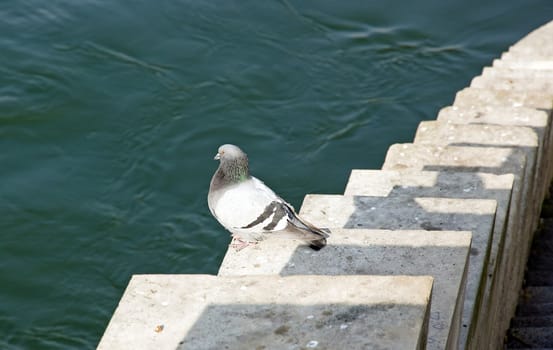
point(280, 212)
point(264, 216)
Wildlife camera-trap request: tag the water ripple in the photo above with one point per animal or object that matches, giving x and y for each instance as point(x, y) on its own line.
point(110, 116)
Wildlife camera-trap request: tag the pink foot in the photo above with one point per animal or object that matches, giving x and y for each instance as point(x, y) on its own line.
point(239, 244)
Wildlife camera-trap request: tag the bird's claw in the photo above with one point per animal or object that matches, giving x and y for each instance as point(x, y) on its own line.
point(239, 244)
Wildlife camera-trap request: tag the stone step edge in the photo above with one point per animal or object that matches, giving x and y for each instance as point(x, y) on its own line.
point(206, 311)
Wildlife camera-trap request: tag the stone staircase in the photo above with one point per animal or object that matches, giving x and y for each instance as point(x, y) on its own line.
point(428, 252)
point(532, 326)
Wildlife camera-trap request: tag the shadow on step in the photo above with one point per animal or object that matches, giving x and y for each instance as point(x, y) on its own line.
point(285, 326)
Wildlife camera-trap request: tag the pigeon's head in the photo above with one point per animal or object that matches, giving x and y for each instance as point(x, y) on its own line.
point(230, 152)
point(234, 163)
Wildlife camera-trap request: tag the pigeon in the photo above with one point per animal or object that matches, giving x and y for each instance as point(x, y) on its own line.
point(249, 209)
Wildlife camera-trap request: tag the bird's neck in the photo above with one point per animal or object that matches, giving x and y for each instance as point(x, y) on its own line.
point(236, 172)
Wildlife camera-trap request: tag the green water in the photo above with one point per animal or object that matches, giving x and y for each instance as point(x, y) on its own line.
point(111, 112)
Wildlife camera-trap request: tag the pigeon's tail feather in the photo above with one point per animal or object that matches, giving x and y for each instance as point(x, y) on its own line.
point(317, 244)
point(315, 236)
point(320, 236)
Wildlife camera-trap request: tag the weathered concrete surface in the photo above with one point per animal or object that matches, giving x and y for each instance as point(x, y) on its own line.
point(440, 133)
point(523, 138)
point(446, 185)
point(476, 159)
point(458, 185)
point(473, 98)
point(519, 55)
point(469, 98)
point(271, 312)
point(505, 98)
point(515, 84)
point(365, 182)
point(523, 64)
point(497, 115)
point(405, 212)
point(456, 158)
point(441, 254)
point(507, 72)
point(467, 185)
point(466, 159)
point(539, 121)
point(506, 77)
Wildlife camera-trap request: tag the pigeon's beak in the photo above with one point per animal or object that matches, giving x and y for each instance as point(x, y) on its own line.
point(217, 156)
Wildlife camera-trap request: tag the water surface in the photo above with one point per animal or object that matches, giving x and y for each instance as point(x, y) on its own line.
point(111, 112)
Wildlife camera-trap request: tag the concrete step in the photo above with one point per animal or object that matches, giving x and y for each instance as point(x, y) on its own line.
point(509, 72)
point(505, 72)
point(441, 254)
point(529, 52)
point(403, 211)
point(493, 97)
point(480, 135)
point(530, 337)
point(497, 115)
point(456, 159)
point(386, 183)
point(464, 159)
point(486, 160)
point(449, 184)
point(526, 84)
point(523, 138)
point(390, 183)
point(528, 56)
point(522, 64)
point(511, 61)
point(271, 312)
point(537, 120)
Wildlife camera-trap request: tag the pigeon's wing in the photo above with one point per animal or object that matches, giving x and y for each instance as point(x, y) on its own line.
point(302, 224)
point(281, 219)
point(298, 228)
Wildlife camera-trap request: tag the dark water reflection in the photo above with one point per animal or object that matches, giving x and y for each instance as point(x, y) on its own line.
point(110, 115)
